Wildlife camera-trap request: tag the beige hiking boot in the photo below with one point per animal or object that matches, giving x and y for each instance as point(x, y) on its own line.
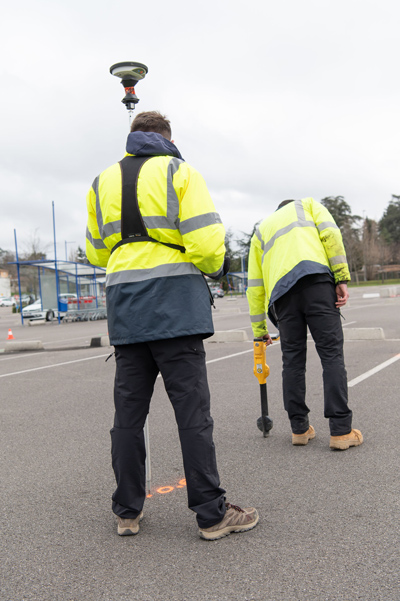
point(129, 526)
point(235, 520)
point(303, 439)
point(354, 439)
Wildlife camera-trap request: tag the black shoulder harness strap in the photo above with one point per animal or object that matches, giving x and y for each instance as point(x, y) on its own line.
point(133, 228)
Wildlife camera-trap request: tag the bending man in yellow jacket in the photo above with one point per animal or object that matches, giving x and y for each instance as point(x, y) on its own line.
point(298, 274)
point(152, 223)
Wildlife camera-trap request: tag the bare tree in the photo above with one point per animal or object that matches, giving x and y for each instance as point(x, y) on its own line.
point(389, 230)
point(350, 229)
point(244, 243)
point(34, 250)
point(371, 248)
point(7, 257)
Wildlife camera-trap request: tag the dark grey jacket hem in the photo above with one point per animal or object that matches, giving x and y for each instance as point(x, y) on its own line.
point(287, 282)
point(159, 308)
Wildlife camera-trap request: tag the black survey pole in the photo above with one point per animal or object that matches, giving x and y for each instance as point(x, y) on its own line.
point(261, 371)
point(130, 74)
point(266, 421)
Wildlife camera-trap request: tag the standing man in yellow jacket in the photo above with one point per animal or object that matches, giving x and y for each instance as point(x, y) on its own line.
point(298, 274)
point(152, 223)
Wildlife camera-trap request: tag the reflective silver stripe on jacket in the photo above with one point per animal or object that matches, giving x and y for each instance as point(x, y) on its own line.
point(284, 230)
point(301, 222)
point(156, 222)
point(161, 271)
point(257, 318)
point(322, 226)
point(113, 227)
point(216, 274)
point(337, 260)
point(172, 198)
point(97, 243)
point(258, 234)
point(196, 223)
point(99, 215)
point(301, 215)
point(159, 222)
point(170, 221)
point(255, 283)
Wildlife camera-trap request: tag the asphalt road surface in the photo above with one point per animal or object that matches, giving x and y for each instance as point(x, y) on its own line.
point(329, 521)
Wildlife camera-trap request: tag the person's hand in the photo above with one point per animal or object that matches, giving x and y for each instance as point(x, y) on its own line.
point(267, 338)
point(342, 295)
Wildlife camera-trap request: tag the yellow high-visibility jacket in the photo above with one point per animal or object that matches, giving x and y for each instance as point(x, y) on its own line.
point(299, 239)
point(153, 291)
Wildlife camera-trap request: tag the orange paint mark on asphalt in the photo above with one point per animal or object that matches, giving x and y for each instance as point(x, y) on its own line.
point(163, 490)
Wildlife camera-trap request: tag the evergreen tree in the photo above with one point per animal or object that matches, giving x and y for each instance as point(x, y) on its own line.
point(244, 243)
point(348, 225)
point(389, 225)
point(232, 252)
point(80, 256)
point(340, 211)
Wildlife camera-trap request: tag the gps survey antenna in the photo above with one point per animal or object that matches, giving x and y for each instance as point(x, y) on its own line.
point(129, 73)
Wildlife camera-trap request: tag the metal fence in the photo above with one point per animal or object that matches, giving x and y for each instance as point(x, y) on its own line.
point(85, 315)
point(85, 309)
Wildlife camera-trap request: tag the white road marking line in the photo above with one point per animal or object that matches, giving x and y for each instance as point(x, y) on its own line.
point(250, 350)
point(16, 373)
point(352, 383)
point(373, 371)
point(18, 356)
point(351, 307)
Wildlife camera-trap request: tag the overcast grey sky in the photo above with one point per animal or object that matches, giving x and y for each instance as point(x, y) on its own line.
point(267, 100)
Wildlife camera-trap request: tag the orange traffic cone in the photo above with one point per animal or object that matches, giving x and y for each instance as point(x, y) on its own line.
point(10, 335)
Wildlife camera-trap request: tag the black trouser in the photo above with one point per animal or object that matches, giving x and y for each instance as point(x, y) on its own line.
point(181, 362)
point(314, 307)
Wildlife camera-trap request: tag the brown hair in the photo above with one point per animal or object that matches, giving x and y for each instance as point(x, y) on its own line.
point(285, 202)
point(152, 121)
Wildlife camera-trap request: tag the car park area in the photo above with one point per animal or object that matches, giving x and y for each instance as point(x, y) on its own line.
point(70, 308)
point(328, 526)
point(7, 301)
point(216, 291)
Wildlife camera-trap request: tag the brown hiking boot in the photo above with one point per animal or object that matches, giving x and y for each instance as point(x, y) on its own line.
point(303, 439)
point(235, 520)
point(354, 439)
point(129, 526)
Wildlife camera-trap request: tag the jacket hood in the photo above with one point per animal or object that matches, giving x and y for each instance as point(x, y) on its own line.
point(144, 144)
